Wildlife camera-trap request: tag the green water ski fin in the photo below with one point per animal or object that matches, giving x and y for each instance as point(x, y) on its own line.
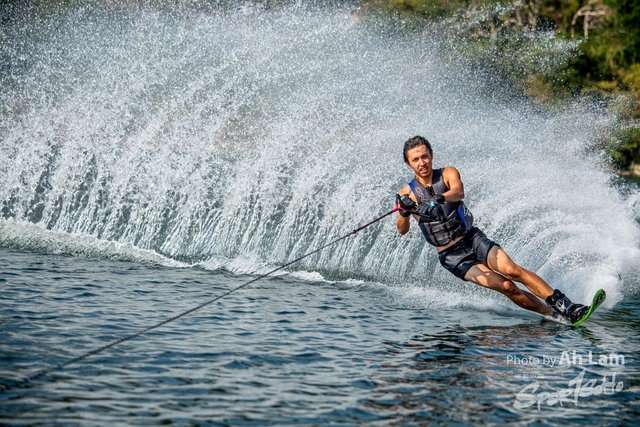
point(598, 299)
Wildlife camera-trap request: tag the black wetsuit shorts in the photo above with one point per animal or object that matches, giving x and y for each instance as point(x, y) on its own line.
point(472, 249)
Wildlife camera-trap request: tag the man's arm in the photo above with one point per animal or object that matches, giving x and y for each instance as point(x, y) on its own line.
point(403, 223)
point(452, 179)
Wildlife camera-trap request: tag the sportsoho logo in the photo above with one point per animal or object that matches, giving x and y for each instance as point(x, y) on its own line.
point(578, 387)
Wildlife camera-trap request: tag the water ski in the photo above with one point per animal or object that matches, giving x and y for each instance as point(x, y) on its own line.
point(598, 299)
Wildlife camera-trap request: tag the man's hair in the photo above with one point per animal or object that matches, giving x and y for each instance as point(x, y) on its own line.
point(414, 142)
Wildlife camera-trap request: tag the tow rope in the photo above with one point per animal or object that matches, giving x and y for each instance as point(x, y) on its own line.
point(39, 374)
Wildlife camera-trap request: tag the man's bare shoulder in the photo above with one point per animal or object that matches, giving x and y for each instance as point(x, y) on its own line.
point(450, 171)
point(405, 190)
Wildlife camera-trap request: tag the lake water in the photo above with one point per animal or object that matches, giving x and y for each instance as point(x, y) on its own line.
point(294, 350)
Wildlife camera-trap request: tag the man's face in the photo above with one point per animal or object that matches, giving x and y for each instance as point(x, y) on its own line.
point(419, 159)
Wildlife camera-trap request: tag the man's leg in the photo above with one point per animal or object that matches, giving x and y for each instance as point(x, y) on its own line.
point(499, 261)
point(488, 278)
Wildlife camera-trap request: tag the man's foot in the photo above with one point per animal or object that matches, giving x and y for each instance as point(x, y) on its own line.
point(565, 308)
point(576, 311)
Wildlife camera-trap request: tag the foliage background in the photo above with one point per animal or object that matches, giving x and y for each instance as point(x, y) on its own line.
point(551, 51)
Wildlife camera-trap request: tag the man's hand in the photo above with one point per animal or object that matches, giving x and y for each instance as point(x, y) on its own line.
point(405, 204)
point(427, 208)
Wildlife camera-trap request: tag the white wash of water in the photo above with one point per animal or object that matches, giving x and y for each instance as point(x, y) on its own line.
point(259, 135)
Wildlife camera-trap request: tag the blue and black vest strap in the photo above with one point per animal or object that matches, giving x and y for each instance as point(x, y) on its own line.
point(421, 192)
point(461, 214)
point(412, 186)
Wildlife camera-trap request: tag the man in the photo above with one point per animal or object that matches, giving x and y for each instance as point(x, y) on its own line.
point(434, 199)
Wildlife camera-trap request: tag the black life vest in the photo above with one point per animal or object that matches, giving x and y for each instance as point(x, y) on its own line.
point(453, 219)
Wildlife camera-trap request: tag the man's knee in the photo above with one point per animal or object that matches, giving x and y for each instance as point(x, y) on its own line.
point(509, 288)
point(513, 271)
